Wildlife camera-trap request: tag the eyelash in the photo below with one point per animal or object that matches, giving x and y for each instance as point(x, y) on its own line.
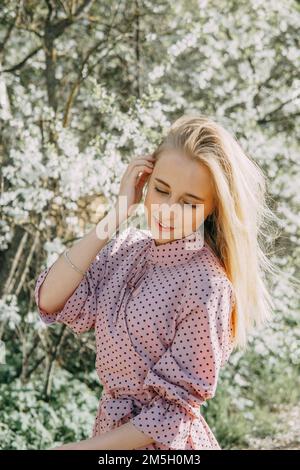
point(187, 203)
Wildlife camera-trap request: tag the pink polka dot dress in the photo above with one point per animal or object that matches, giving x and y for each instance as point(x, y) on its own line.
point(161, 315)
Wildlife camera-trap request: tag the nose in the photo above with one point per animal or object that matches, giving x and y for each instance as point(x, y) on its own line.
point(168, 213)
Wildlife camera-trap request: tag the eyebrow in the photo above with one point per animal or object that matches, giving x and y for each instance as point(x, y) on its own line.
point(186, 194)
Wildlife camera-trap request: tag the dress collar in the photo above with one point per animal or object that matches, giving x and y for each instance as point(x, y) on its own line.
point(176, 251)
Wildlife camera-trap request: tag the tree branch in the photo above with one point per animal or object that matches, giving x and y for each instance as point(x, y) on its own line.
point(269, 116)
point(10, 29)
point(23, 62)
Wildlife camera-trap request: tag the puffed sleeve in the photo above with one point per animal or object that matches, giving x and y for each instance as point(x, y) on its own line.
point(186, 375)
point(79, 311)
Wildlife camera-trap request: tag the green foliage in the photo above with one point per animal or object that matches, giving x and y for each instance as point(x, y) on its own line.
point(29, 422)
point(249, 397)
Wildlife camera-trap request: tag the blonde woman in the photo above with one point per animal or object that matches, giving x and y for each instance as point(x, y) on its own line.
point(168, 304)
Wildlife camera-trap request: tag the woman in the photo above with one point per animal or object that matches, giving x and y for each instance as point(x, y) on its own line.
point(168, 304)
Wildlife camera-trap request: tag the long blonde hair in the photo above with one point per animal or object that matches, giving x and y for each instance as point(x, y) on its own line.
point(235, 229)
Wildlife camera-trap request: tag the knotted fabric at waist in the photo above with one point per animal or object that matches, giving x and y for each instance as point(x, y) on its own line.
point(118, 410)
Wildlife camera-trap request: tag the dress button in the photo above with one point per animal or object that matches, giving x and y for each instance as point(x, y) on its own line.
point(136, 291)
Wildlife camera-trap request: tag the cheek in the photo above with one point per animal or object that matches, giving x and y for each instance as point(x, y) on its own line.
point(193, 219)
point(151, 199)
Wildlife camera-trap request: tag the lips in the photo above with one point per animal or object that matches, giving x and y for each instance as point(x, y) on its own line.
point(161, 226)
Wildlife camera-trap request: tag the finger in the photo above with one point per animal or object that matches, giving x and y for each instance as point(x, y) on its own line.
point(143, 159)
point(142, 179)
point(135, 169)
point(148, 156)
point(139, 170)
point(141, 162)
point(140, 187)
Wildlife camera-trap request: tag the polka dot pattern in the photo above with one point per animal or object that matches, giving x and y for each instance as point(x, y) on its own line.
point(161, 316)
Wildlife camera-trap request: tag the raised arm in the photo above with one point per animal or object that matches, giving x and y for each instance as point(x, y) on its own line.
point(62, 280)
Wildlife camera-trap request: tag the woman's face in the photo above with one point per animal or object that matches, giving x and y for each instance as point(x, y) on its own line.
point(179, 195)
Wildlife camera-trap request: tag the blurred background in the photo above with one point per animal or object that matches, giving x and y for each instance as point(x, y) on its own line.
point(84, 87)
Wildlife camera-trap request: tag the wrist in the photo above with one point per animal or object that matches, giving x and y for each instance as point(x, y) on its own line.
point(110, 223)
point(120, 210)
point(93, 443)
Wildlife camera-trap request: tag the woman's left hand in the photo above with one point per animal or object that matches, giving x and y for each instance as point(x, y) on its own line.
point(124, 437)
point(72, 446)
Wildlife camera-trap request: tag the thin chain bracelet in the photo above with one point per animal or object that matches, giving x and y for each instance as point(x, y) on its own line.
point(72, 264)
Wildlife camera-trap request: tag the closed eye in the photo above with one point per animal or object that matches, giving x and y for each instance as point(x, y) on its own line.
point(189, 204)
point(160, 191)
